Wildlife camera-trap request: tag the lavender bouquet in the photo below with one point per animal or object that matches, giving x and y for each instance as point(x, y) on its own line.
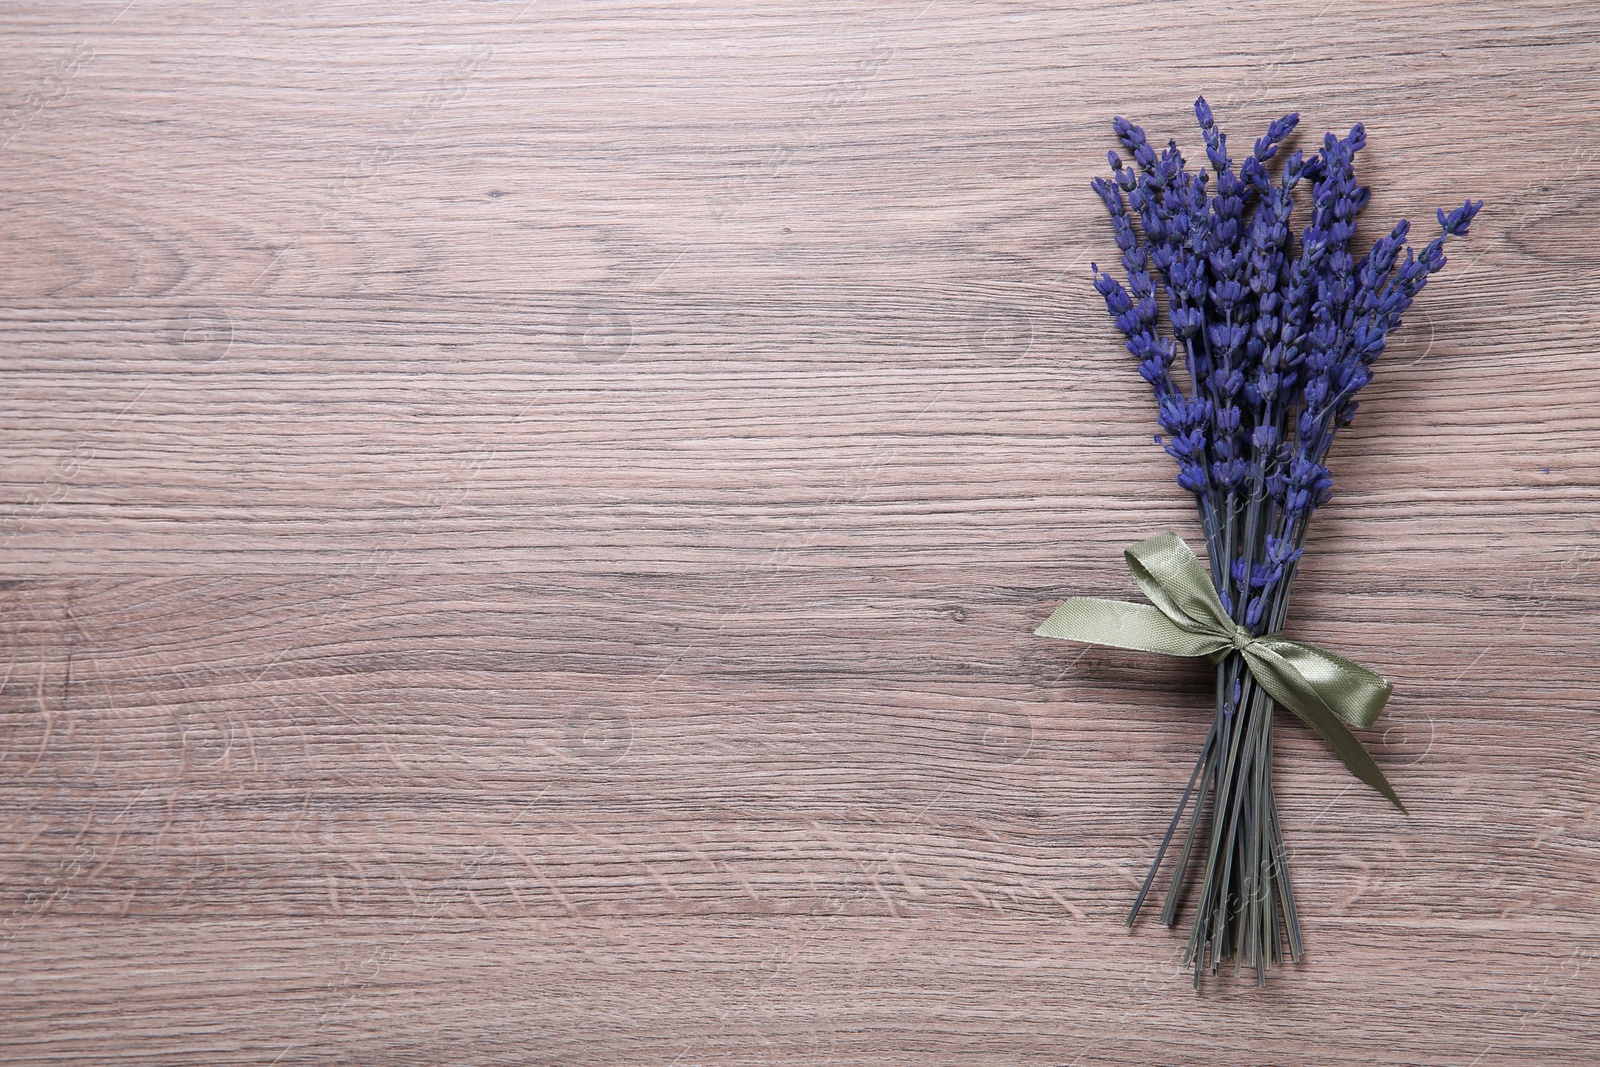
point(1276, 338)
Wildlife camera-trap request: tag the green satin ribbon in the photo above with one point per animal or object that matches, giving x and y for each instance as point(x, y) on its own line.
point(1325, 690)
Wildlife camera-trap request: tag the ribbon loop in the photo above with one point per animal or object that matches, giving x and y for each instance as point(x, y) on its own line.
point(1323, 689)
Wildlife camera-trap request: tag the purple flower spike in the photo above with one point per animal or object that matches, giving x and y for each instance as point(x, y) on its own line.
point(1277, 335)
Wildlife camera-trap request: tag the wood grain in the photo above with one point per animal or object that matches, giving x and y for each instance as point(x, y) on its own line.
point(522, 525)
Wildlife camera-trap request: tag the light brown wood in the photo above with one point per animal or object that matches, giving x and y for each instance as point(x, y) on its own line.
point(522, 529)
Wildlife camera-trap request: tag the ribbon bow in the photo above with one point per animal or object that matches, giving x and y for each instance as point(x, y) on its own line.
point(1325, 690)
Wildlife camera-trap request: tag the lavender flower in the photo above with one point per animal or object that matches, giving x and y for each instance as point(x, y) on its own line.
point(1277, 338)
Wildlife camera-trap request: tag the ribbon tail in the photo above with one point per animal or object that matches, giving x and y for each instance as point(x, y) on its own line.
point(1119, 624)
point(1279, 677)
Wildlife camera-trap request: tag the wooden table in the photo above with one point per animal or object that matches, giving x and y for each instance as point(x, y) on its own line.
point(523, 524)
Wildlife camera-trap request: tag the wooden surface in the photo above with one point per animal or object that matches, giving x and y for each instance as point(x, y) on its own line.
point(522, 527)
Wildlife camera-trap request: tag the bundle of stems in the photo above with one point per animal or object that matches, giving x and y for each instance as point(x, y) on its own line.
point(1276, 337)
